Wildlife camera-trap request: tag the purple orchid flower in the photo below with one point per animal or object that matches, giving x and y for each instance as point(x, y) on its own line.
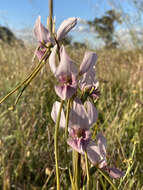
point(43, 35)
point(67, 73)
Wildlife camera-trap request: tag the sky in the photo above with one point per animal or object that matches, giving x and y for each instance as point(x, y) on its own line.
point(20, 15)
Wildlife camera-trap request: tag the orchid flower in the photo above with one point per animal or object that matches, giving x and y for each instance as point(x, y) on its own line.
point(88, 83)
point(67, 73)
point(44, 37)
point(80, 121)
point(80, 138)
point(101, 149)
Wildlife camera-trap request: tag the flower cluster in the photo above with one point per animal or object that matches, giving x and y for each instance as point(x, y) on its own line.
point(80, 138)
point(79, 85)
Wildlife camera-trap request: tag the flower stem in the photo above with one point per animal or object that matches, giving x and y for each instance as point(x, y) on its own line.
point(102, 183)
point(28, 79)
point(87, 171)
point(67, 119)
point(56, 145)
point(72, 181)
point(66, 128)
point(76, 169)
point(51, 16)
point(107, 178)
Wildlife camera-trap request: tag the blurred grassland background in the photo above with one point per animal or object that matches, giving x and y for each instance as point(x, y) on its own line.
point(26, 134)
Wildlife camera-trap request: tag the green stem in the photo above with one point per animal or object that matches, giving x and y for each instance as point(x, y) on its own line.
point(29, 78)
point(102, 183)
point(66, 128)
point(28, 82)
point(76, 169)
point(56, 145)
point(72, 181)
point(107, 178)
point(87, 171)
point(67, 119)
point(51, 16)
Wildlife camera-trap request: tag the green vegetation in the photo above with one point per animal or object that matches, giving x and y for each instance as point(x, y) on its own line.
point(105, 27)
point(26, 133)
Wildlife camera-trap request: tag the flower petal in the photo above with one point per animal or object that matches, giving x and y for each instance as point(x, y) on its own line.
point(92, 112)
point(103, 163)
point(41, 33)
point(54, 114)
point(64, 91)
point(88, 62)
point(40, 51)
point(93, 152)
point(66, 65)
point(75, 144)
point(52, 59)
point(78, 115)
point(61, 91)
point(89, 79)
point(114, 172)
point(65, 27)
point(101, 142)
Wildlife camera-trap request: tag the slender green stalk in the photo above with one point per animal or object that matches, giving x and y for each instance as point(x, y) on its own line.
point(84, 187)
point(56, 145)
point(76, 168)
point(66, 128)
point(28, 82)
point(102, 183)
point(51, 16)
point(107, 178)
point(87, 171)
point(72, 181)
point(67, 119)
point(29, 78)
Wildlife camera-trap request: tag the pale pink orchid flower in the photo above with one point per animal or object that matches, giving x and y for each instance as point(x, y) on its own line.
point(80, 121)
point(100, 149)
point(43, 36)
point(67, 72)
point(88, 83)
